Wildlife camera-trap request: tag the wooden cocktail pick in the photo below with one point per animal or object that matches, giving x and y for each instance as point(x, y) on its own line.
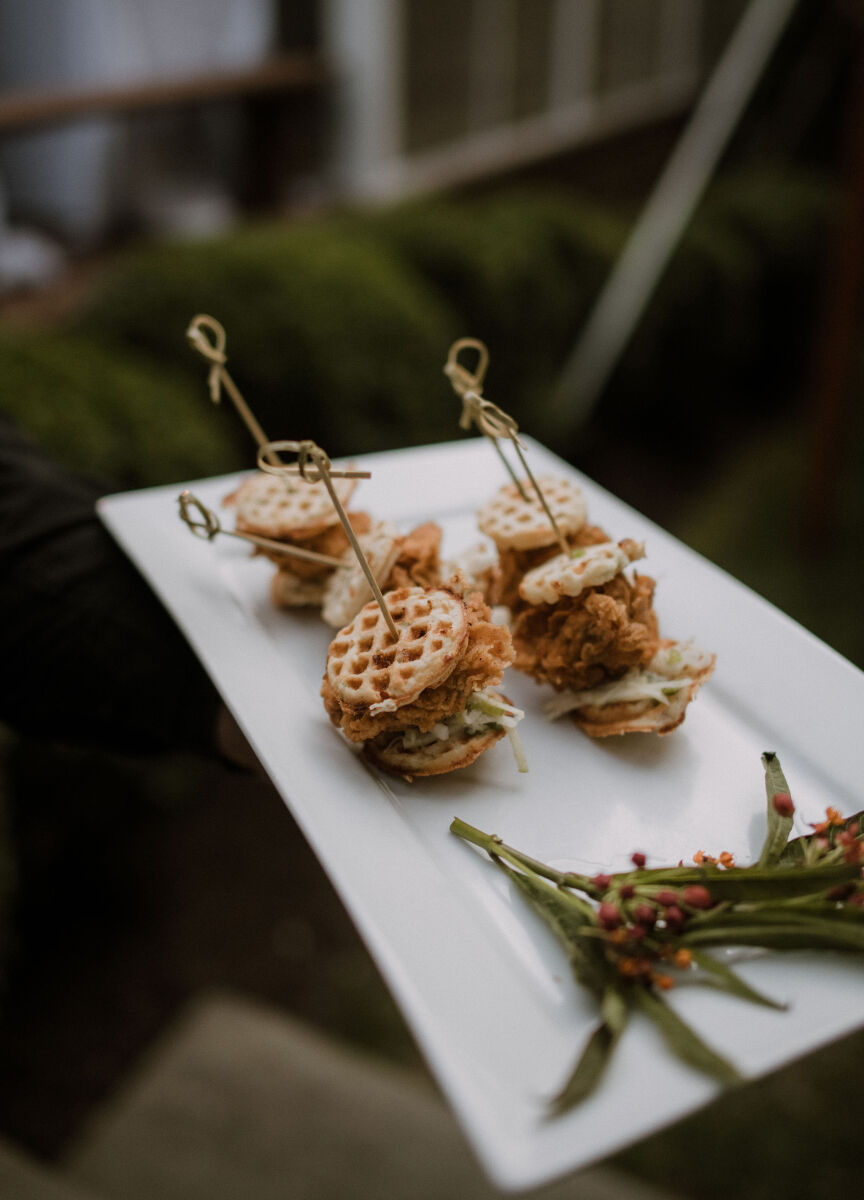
point(313, 465)
point(198, 336)
point(491, 420)
point(208, 526)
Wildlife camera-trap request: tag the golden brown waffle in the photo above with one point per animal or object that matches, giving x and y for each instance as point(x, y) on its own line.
point(367, 669)
point(348, 589)
point(287, 506)
point(517, 524)
point(388, 752)
point(570, 574)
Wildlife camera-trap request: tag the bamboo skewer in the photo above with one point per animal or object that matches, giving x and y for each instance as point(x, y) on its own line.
point(493, 422)
point(218, 378)
point(313, 465)
point(209, 526)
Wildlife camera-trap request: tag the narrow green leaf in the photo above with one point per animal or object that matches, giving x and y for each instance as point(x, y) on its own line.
point(804, 935)
point(779, 827)
point(569, 912)
point(566, 922)
point(596, 1055)
point(588, 1071)
point(682, 1040)
point(799, 912)
point(726, 980)
point(747, 884)
point(614, 1009)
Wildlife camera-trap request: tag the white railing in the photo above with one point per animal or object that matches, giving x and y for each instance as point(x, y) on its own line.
point(606, 66)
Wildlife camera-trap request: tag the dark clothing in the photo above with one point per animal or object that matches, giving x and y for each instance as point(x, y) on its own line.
point(87, 652)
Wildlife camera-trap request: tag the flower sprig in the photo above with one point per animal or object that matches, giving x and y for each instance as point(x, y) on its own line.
point(633, 935)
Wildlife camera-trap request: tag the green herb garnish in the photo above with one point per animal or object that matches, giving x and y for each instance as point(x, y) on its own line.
point(632, 936)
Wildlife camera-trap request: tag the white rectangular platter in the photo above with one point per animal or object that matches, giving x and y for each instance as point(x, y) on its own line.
point(484, 986)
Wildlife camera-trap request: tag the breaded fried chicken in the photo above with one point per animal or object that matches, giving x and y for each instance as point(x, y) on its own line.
point(488, 650)
point(584, 640)
point(514, 564)
point(419, 561)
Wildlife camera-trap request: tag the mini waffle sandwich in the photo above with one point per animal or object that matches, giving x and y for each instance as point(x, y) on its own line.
point(590, 630)
point(650, 699)
point(523, 534)
point(424, 704)
point(301, 514)
point(408, 561)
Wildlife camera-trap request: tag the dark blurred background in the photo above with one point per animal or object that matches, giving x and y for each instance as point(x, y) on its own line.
point(348, 186)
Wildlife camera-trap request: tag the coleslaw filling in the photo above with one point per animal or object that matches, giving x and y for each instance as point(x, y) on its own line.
point(483, 712)
point(671, 669)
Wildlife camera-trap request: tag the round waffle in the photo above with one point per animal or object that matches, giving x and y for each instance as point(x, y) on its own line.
point(388, 752)
point(368, 669)
point(636, 716)
point(287, 590)
point(348, 589)
point(569, 574)
point(517, 524)
point(287, 506)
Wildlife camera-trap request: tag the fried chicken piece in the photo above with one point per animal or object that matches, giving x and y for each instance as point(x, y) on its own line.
point(419, 561)
point(488, 650)
point(514, 564)
point(584, 640)
point(332, 541)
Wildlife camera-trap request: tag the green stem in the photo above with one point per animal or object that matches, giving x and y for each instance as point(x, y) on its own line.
point(804, 935)
point(492, 844)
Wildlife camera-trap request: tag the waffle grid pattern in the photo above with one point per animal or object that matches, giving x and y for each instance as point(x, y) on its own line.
point(367, 668)
point(516, 524)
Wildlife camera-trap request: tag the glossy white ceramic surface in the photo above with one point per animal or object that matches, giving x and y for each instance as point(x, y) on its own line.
point(482, 983)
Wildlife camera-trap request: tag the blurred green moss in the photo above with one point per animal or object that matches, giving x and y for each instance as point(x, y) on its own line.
point(329, 336)
point(110, 414)
point(338, 327)
point(518, 270)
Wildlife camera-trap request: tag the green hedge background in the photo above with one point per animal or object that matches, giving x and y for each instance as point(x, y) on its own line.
point(338, 328)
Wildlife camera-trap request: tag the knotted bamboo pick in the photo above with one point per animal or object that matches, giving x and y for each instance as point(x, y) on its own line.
point(209, 526)
point(218, 378)
point(491, 420)
point(468, 386)
point(313, 465)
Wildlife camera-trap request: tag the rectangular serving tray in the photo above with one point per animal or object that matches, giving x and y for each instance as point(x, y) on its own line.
point(484, 986)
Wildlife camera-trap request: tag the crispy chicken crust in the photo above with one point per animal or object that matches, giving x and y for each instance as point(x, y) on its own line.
point(419, 561)
point(514, 564)
point(584, 640)
point(488, 650)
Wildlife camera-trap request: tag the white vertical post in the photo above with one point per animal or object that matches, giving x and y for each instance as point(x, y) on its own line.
point(670, 206)
point(364, 41)
point(573, 53)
